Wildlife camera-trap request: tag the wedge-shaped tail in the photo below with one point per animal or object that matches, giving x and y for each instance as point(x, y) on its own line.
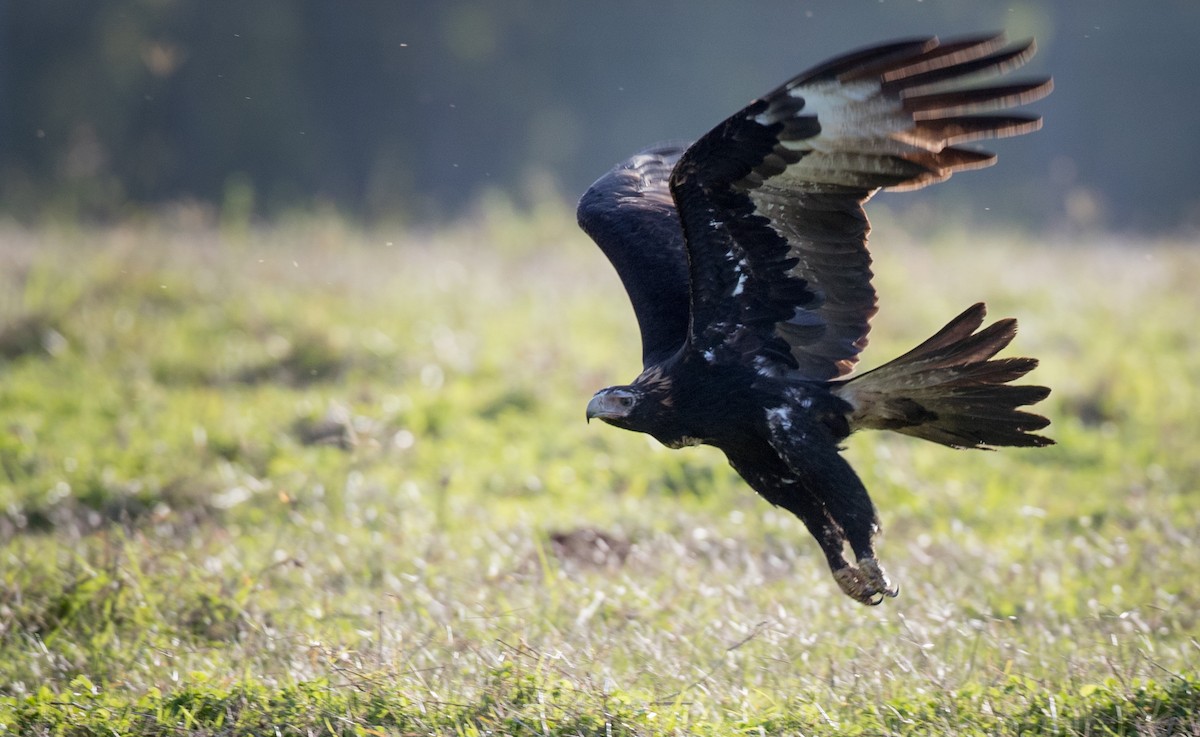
point(951, 390)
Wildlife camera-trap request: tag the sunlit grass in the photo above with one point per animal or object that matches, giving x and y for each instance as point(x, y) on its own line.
point(315, 479)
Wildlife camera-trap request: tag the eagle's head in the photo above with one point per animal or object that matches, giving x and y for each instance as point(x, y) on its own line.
point(621, 406)
point(641, 406)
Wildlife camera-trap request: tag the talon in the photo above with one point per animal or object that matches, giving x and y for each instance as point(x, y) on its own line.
point(866, 584)
point(877, 579)
point(849, 581)
point(853, 584)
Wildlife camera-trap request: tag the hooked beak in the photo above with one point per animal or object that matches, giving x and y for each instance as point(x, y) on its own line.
point(609, 405)
point(595, 407)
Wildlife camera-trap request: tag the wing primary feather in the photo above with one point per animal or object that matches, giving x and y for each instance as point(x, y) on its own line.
point(962, 129)
point(935, 56)
point(958, 102)
point(997, 63)
point(843, 64)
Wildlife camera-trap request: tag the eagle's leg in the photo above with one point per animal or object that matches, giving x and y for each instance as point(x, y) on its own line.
point(851, 508)
point(876, 578)
point(822, 478)
point(852, 580)
point(865, 583)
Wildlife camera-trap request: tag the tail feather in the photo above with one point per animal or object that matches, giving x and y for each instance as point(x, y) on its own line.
point(950, 389)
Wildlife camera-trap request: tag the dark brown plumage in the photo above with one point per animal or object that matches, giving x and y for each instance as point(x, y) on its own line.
point(745, 258)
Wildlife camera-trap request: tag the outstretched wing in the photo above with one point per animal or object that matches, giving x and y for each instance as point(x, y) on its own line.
point(631, 216)
point(771, 199)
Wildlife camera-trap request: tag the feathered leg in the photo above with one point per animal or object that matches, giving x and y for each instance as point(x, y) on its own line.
point(776, 482)
point(821, 474)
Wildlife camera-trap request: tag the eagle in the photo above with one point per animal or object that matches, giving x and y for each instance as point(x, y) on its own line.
point(744, 255)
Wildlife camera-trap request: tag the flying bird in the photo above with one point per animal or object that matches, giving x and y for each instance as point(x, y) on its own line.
point(745, 257)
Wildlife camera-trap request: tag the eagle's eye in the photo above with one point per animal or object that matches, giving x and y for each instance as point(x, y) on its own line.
point(625, 401)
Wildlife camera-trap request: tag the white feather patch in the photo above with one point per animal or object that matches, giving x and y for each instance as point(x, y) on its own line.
point(780, 416)
point(741, 284)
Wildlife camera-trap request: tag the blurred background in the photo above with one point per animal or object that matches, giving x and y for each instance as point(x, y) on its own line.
point(413, 112)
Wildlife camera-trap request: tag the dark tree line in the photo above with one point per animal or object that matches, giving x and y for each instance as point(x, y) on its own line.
point(414, 109)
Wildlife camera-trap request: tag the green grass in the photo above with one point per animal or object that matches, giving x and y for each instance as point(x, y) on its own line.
point(310, 480)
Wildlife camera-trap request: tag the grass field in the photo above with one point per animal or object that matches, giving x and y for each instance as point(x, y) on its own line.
point(310, 480)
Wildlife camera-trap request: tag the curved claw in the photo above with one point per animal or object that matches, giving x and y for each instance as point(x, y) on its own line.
point(852, 583)
point(877, 579)
point(866, 583)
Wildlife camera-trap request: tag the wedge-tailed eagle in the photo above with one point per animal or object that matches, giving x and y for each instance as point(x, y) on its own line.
point(745, 257)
